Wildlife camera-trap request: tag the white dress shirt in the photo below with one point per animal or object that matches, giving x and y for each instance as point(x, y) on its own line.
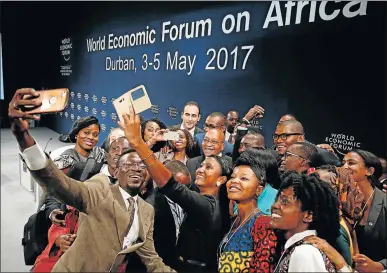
point(227, 135)
point(305, 258)
point(105, 170)
point(192, 131)
point(134, 230)
point(36, 160)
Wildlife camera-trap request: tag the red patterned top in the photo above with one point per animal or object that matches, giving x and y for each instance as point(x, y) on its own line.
point(265, 242)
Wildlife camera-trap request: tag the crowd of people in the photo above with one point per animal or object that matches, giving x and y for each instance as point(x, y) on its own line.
point(215, 200)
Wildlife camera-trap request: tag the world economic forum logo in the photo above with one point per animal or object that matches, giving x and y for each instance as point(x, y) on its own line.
point(78, 117)
point(66, 115)
point(103, 114)
point(61, 114)
point(72, 116)
point(104, 100)
point(113, 116)
point(79, 107)
point(103, 127)
point(86, 109)
point(94, 98)
point(86, 97)
point(72, 105)
point(79, 96)
point(94, 111)
point(112, 100)
point(72, 94)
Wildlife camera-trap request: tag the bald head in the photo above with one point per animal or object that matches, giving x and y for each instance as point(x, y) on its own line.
point(215, 120)
point(252, 140)
point(287, 117)
point(288, 133)
point(213, 142)
point(293, 126)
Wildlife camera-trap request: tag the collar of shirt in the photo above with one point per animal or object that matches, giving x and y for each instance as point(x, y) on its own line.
point(126, 195)
point(192, 131)
point(298, 237)
point(105, 170)
point(227, 136)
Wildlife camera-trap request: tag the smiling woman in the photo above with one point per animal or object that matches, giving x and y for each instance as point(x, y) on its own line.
point(298, 214)
point(237, 248)
point(85, 133)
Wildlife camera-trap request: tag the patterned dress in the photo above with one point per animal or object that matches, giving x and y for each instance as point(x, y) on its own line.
point(264, 258)
point(235, 255)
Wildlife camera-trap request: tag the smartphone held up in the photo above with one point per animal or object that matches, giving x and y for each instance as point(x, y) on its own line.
point(138, 97)
point(52, 101)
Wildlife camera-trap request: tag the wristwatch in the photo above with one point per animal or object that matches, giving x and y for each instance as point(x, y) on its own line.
point(245, 121)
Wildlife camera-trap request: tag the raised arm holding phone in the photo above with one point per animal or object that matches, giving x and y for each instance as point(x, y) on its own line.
point(105, 208)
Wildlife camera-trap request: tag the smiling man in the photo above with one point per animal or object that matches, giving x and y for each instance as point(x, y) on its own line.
point(115, 149)
point(114, 221)
point(213, 144)
point(191, 117)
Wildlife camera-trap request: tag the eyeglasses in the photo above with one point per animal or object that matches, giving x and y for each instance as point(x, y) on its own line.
point(130, 166)
point(210, 141)
point(285, 201)
point(285, 136)
point(211, 126)
point(287, 154)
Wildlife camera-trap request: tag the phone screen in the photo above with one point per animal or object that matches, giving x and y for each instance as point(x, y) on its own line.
point(138, 94)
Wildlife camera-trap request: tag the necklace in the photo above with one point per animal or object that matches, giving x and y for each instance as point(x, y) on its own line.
point(362, 210)
point(227, 239)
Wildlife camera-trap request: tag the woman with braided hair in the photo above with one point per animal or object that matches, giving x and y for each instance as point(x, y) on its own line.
point(305, 206)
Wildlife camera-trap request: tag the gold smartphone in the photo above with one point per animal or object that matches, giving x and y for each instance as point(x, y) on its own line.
point(53, 101)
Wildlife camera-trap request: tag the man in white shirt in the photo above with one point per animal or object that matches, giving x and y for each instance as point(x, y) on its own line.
point(191, 117)
point(114, 220)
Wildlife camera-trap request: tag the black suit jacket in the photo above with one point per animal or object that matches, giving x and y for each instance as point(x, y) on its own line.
point(375, 230)
point(164, 233)
point(194, 163)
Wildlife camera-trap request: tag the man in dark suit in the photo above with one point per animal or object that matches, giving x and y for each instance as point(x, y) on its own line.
point(190, 117)
point(213, 144)
point(114, 220)
point(215, 120)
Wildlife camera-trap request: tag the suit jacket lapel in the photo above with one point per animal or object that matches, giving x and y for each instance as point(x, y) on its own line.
point(121, 218)
point(143, 220)
point(374, 213)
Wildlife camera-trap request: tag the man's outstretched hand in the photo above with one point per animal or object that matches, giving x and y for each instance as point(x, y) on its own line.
point(19, 124)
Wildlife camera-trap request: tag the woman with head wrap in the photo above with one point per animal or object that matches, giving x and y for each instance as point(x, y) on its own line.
point(85, 135)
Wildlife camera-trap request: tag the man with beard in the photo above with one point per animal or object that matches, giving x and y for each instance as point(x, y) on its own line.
point(232, 119)
point(114, 220)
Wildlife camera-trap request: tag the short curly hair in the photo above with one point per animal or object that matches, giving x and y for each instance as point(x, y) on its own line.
point(318, 198)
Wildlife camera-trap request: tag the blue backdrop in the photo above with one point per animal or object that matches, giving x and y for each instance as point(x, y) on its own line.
point(328, 71)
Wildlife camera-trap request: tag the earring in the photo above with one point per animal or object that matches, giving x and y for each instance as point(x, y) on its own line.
point(217, 183)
